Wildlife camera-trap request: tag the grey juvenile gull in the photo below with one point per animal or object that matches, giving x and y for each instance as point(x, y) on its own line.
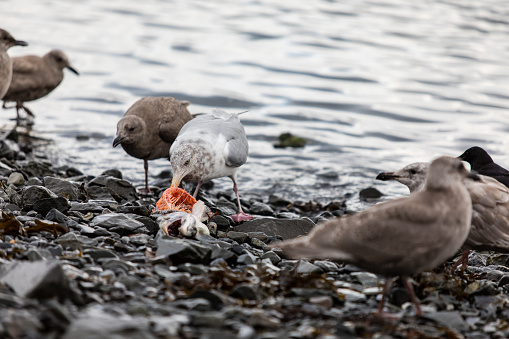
point(210, 146)
point(401, 237)
point(490, 208)
point(34, 77)
point(6, 42)
point(149, 127)
point(481, 162)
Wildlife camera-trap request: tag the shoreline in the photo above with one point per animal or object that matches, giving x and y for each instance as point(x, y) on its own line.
point(82, 256)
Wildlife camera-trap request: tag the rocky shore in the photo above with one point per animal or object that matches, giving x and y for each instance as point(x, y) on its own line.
point(83, 257)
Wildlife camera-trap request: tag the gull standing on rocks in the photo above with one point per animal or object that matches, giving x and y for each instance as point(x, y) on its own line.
point(481, 162)
point(490, 208)
point(149, 128)
point(34, 77)
point(210, 146)
point(401, 237)
point(6, 42)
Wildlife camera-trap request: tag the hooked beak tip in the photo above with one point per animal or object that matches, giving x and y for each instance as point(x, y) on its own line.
point(384, 176)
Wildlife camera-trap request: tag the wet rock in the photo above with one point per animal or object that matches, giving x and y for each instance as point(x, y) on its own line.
point(95, 323)
point(118, 188)
point(75, 242)
point(272, 256)
point(290, 140)
point(327, 266)
point(117, 222)
point(16, 179)
point(240, 237)
point(87, 207)
point(223, 224)
point(287, 229)
point(44, 206)
point(449, 319)
point(183, 250)
point(261, 209)
point(305, 267)
point(370, 193)
point(115, 173)
point(246, 259)
point(32, 194)
point(245, 291)
point(366, 279)
point(35, 254)
point(226, 207)
point(216, 299)
point(64, 188)
point(39, 280)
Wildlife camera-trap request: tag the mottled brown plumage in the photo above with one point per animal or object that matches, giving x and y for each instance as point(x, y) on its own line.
point(149, 128)
point(6, 42)
point(401, 237)
point(34, 77)
point(490, 208)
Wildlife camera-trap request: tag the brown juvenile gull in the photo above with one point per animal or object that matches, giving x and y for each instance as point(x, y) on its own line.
point(210, 146)
point(34, 77)
point(6, 42)
point(149, 128)
point(401, 237)
point(490, 208)
point(481, 162)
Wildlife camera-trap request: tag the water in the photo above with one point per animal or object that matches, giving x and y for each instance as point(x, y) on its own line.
point(373, 85)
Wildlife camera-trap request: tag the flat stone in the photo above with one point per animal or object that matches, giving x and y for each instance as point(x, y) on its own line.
point(260, 208)
point(240, 237)
point(86, 207)
point(75, 242)
point(40, 279)
point(286, 228)
point(183, 250)
point(122, 221)
point(64, 188)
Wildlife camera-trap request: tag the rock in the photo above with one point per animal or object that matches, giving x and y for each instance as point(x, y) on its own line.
point(326, 266)
point(240, 237)
point(115, 173)
point(16, 179)
point(32, 194)
point(366, 279)
point(246, 259)
point(272, 256)
point(116, 222)
point(287, 229)
point(290, 140)
point(118, 188)
point(64, 188)
point(99, 253)
point(76, 242)
point(351, 295)
point(85, 208)
point(95, 323)
point(261, 209)
point(151, 225)
point(449, 319)
point(183, 250)
point(370, 193)
point(222, 223)
point(39, 279)
point(305, 267)
point(245, 291)
point(216, 299)
point(44, 206)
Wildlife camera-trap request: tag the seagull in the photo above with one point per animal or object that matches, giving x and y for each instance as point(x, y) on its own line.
point(6, 42)
point(149, 127)
point(401, 237)
point(210, 146)
point(481, 162)
point(34, 77)
point(490, 208)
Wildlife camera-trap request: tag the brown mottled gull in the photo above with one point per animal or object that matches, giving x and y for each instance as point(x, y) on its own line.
point(490, 208)
point(34, 77)
point(149, 128)
point(401, 237)
point(6, 42)
point(210, 146)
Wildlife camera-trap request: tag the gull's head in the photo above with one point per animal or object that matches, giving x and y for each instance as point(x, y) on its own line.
point(185, 160)
point(447, 171)
point(7, 41)
point(412, 176)
point(476, 157)
point(130, 129)
point(61, 61)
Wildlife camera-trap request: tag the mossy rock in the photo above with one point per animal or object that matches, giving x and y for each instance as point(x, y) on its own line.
point(290, 140)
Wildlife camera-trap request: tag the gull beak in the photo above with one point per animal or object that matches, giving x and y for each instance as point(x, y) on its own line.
point(118, 140)
point(20, 43)
point(175, 181)
point(384, 176)
point(73, 70)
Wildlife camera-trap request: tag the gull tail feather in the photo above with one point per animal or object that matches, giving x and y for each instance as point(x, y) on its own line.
point(304, 248)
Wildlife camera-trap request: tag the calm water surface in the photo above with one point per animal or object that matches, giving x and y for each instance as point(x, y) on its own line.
point(373, 85)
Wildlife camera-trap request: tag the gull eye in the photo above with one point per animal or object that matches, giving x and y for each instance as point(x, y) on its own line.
point(131, 129)
point(187, 162)
point(412, 171)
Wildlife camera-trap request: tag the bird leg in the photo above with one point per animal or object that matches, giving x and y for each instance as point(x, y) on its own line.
point(145, 190)
point(463, 261)
point(20, 105)
point(385, 291)
point(410, 290)
point(197, 189)
point(241, 216)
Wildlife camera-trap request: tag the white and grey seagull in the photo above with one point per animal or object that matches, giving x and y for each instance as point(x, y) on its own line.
point(210, 146)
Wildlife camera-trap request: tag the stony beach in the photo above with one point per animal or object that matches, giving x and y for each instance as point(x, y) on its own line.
point(83, 257)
